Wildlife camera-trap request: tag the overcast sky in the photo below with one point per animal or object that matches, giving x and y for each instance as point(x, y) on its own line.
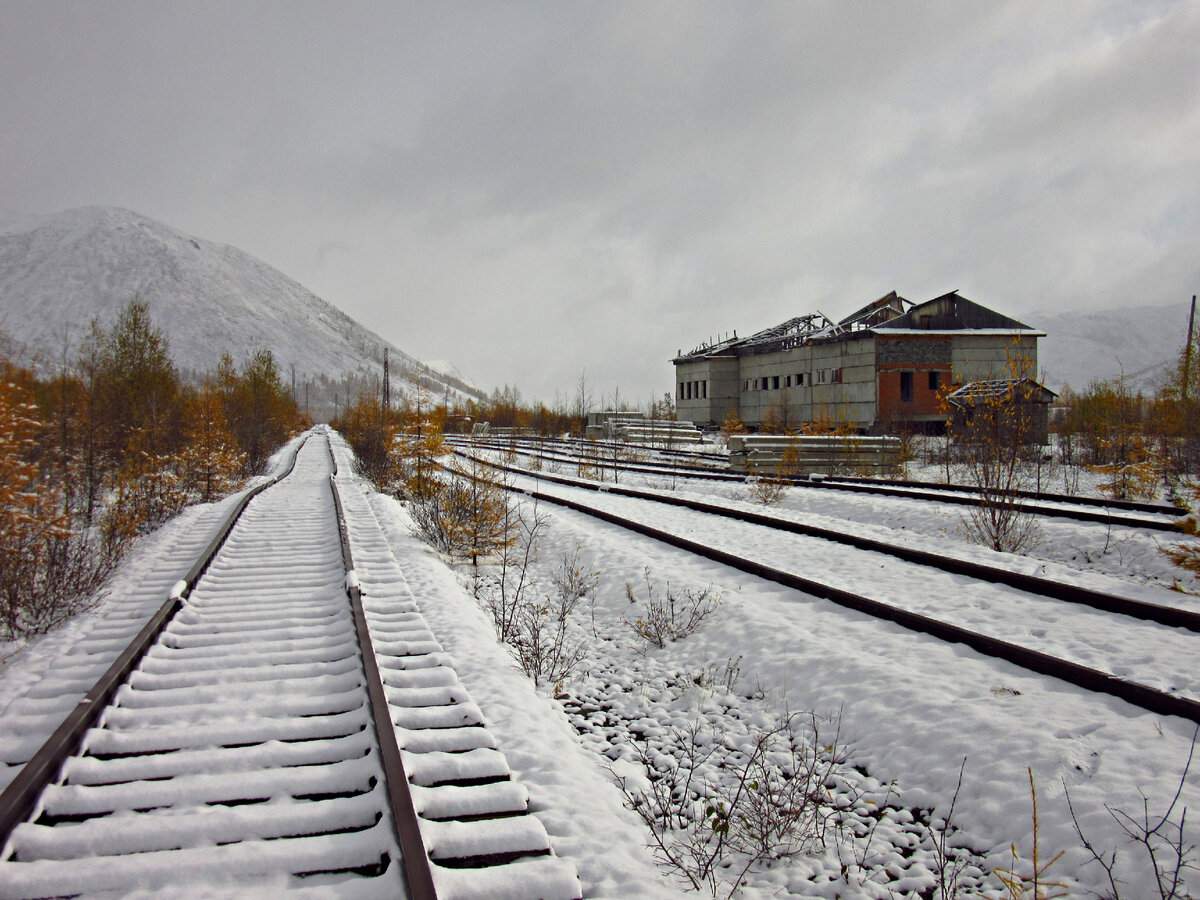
point(531, 190)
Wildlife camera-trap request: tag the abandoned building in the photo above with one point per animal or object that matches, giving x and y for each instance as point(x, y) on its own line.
point(1006, 408)
point(883, 369)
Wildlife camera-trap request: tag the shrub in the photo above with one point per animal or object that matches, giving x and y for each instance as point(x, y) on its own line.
point(767, 490)
point(544, 650)
point(711, 817)
point(672, 615)
point(536, 624)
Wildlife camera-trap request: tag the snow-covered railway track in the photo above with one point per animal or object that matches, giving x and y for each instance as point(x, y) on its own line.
point(1144, 663)
point(1155, 517)
point(1171, 616)
point(278, 737)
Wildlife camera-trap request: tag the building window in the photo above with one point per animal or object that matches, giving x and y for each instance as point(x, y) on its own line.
point(821, 375)
point(775, 382)
point(681, 390)
point(800, 380)
point(906, 387)
point(704, 390)
point(787, 382)
point(835, 376)
point(935, 381)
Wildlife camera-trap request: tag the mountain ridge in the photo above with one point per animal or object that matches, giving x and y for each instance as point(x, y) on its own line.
point(58, 272)
point(1140, 344)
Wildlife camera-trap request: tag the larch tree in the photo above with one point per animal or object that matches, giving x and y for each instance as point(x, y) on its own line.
point(419, 445)
point(32, 520)
point(258, 407)
point(733, 423)
point(137, 385)
point(211, 462)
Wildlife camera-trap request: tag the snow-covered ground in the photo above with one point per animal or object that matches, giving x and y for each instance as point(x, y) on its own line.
point(909, 710)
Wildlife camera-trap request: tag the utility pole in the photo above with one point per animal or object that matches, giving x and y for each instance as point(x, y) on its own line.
point(387, 384)
point(1187, 350)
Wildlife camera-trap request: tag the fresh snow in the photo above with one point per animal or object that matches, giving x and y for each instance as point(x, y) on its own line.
point(911, 708)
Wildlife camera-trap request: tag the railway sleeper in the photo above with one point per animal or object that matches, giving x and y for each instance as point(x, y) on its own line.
point(128, 832)
point(305, 856)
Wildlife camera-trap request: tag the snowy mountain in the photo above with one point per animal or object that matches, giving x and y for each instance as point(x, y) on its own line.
point(59, 272)
point(1139, 342)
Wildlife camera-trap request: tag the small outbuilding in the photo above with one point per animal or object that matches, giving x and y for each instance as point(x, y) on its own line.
point(1017, 408)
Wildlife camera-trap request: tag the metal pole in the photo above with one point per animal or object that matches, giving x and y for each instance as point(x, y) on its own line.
point(1187, 350)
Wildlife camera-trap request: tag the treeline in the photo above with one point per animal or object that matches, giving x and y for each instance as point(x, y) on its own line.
point(1138, 441)
point(110, 446)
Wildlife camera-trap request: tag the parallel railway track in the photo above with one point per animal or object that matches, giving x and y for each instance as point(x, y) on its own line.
point(1048, 587)
point(292, 727)
point(1133, 514)
point(1100, 638)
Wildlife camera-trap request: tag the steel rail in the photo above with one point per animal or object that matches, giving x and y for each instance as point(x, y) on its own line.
point(414, 860)
point(1045, 496)
point(1087, 678)
point(926, 494)
point(1170, 616)
point(20, 797)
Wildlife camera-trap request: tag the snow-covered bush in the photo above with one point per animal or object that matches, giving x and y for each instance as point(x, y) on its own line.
point(767, 490)
point(545, 650)
point(49, 561)
point(672, 614)
point(532, 618)
point(714, 811)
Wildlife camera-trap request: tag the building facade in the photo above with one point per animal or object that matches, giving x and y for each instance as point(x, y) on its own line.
point(883, 369)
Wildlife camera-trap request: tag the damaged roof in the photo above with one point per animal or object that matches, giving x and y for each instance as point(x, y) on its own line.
point(891, 314)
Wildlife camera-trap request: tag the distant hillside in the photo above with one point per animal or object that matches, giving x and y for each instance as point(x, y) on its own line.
point(61, 271)
point(1141, 342)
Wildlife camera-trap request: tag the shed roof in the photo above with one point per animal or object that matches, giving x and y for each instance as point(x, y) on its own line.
point(973, 393)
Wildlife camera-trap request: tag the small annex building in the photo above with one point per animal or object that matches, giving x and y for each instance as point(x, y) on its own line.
point(1026, 406)
point(883, 369)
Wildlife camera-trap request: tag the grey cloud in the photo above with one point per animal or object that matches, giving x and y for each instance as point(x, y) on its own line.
point(531, 188)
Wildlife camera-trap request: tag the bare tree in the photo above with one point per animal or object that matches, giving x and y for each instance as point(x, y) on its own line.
point(583, 401)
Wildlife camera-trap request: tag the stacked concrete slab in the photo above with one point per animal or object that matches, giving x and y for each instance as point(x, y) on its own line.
point(814, 454)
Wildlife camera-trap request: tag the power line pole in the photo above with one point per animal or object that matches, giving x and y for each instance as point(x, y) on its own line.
point(1187, 350)
point(387, 384)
